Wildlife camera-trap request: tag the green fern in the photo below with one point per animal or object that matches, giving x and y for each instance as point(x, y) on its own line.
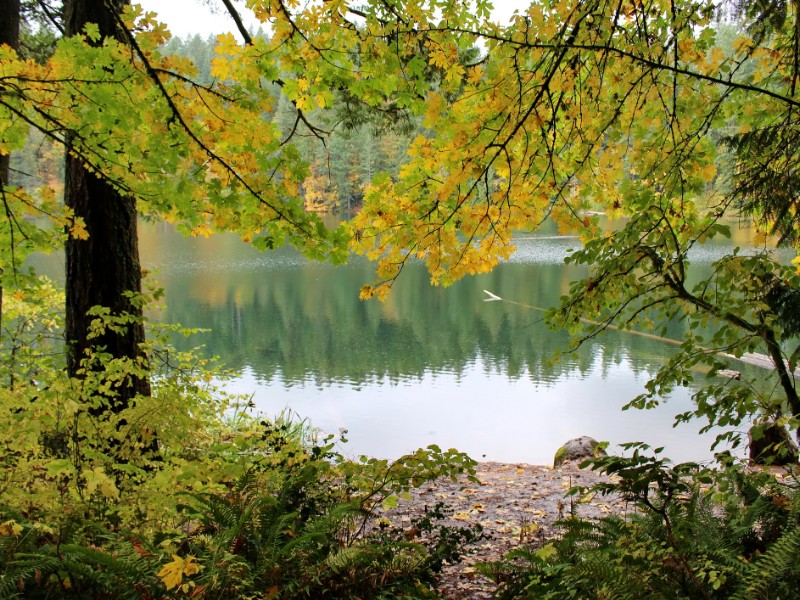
point(76, 571)
point(738, 539)
point(773, 572)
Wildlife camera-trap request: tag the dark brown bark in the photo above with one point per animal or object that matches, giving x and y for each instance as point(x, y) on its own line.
point(9, 35)
point(101, 269)
point(9, 22)
point(784, 375)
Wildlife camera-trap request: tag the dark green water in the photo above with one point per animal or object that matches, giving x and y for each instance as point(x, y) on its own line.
point(430, 365)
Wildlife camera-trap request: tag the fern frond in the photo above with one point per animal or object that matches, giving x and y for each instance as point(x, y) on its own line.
point(772, 567)
point(86, 568)
point(345, 558)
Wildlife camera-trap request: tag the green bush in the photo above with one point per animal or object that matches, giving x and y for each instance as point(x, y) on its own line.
point(690, 533)
point(297, 523)
point(182, 494)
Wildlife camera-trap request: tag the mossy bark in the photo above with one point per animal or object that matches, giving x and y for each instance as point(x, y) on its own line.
point(100, 270)
point(9, 35)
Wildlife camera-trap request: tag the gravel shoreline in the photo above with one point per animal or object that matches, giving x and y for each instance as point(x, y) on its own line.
point(514, 503)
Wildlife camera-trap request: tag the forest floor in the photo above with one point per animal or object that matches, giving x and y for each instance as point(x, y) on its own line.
point(515, 504)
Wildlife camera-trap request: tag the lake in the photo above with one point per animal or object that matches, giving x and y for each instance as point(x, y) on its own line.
point(430, 365)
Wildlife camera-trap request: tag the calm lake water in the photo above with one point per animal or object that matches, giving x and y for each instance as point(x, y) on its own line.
point(430, 365)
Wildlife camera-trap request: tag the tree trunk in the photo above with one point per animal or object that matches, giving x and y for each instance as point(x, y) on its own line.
point(102, 268)
point(9, 35)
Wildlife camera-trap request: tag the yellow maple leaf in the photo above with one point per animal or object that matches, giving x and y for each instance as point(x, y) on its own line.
point(10, 528)
point(220, 67)
point(172, 573)
point(686, 45)
point(202, 230)
point(77, 229)
point(475, 75)
point(434, 109)
point(708, 172)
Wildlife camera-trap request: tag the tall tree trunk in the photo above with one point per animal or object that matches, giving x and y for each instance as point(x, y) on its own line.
point(102, 268)
point(9, 35)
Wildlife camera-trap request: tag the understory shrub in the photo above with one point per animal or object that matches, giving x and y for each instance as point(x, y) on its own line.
point(297, 522)
point(184, 494)
point(691, 532)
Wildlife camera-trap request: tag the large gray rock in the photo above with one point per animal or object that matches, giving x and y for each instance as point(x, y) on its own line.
point(771, 444)
point(579, 448)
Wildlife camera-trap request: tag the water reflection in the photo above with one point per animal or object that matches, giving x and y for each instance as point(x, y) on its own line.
point(491, 417)
point(430, 365)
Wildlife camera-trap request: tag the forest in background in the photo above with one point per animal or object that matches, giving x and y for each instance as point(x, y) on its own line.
point(339, 170)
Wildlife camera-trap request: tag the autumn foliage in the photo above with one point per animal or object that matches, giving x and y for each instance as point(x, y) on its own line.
point(659, 115)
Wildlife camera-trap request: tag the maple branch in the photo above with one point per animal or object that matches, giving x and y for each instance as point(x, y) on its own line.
point(360, 13)
point(193, 83)
point(544, 88)
point(681, 71)
point(57, 131)
point(394, 12)
point(608, 48)
point(248, 40)
point(53, 18)
point(12, 221)
point(318, 132)
point(761, 330)
point(179, 118)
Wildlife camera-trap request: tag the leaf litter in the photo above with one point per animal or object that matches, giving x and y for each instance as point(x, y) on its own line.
point(515, 504)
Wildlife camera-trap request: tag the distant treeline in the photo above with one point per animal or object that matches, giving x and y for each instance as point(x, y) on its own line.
point(340, 169)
